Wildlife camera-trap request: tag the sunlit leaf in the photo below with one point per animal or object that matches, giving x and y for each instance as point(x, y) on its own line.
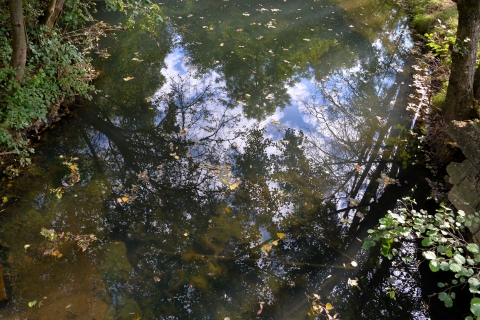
point(267, 247)
point(26, 246)
point(328, 306)
point(128, 78)
point(124, 199)
point(233, 186)
point(280, 235)
point(186, 234)
point(227, 209)
point(275, 243)
point(354, 263)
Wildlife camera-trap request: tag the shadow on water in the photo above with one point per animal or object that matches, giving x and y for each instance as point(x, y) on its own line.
point(229, 168)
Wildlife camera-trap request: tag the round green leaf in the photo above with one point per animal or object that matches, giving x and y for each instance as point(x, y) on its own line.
point(444, 266)
point(475, 306)
point(430, 255)
point(448, 302)
point(455, 267)
point(472, 247)
point(434, 265)
point(442, 296)
point(427, 242)
point(459, 259)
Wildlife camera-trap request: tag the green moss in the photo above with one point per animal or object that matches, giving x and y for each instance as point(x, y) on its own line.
point(423, 22)
point(439, 98)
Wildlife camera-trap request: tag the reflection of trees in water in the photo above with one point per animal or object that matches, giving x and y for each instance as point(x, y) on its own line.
point(181, 217)
point(188, 222)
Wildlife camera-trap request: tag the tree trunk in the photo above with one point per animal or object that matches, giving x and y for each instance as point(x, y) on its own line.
point(476, 84)
point(19, 38)
point(460, 96)
point(53, 11)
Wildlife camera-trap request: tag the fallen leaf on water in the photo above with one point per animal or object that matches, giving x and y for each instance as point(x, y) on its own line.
point(136, 59)
point(128, 78)
point(267, 247)
point(234, 185)
point(26, 246)
point(227, 209)
point(328, 306)
point(275, 243)
point(124, 199)
point(280, 235)
point(156, 279)
point(186, 234)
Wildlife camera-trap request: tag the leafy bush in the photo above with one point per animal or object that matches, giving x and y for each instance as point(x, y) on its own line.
point(445, 247)
point(55, 71)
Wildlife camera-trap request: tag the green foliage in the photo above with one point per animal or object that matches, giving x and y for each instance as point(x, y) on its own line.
point(77, 12)
point(441, 43)
point(55, 71)
point(440, 234)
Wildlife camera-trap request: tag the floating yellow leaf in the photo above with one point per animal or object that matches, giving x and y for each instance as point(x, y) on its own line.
point(234, 185)
point(267, 247)
point(227, 209)
point(280, 235)
point(136, 59)
point(328, 306)
point(26, 246)
point(186, 234)
point(73, 167)
point(128, 78)
point(5, 199)
point(124, 199)
point(275, 243)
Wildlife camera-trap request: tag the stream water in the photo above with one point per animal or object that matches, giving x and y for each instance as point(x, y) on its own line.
point(228, 168)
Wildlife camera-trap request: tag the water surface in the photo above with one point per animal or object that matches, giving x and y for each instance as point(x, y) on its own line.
point(228, 168)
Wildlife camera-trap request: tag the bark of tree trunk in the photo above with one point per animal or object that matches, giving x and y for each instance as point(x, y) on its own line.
point(460, 95)
point(476, 84)
point(53, 11)
point(19, 38)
